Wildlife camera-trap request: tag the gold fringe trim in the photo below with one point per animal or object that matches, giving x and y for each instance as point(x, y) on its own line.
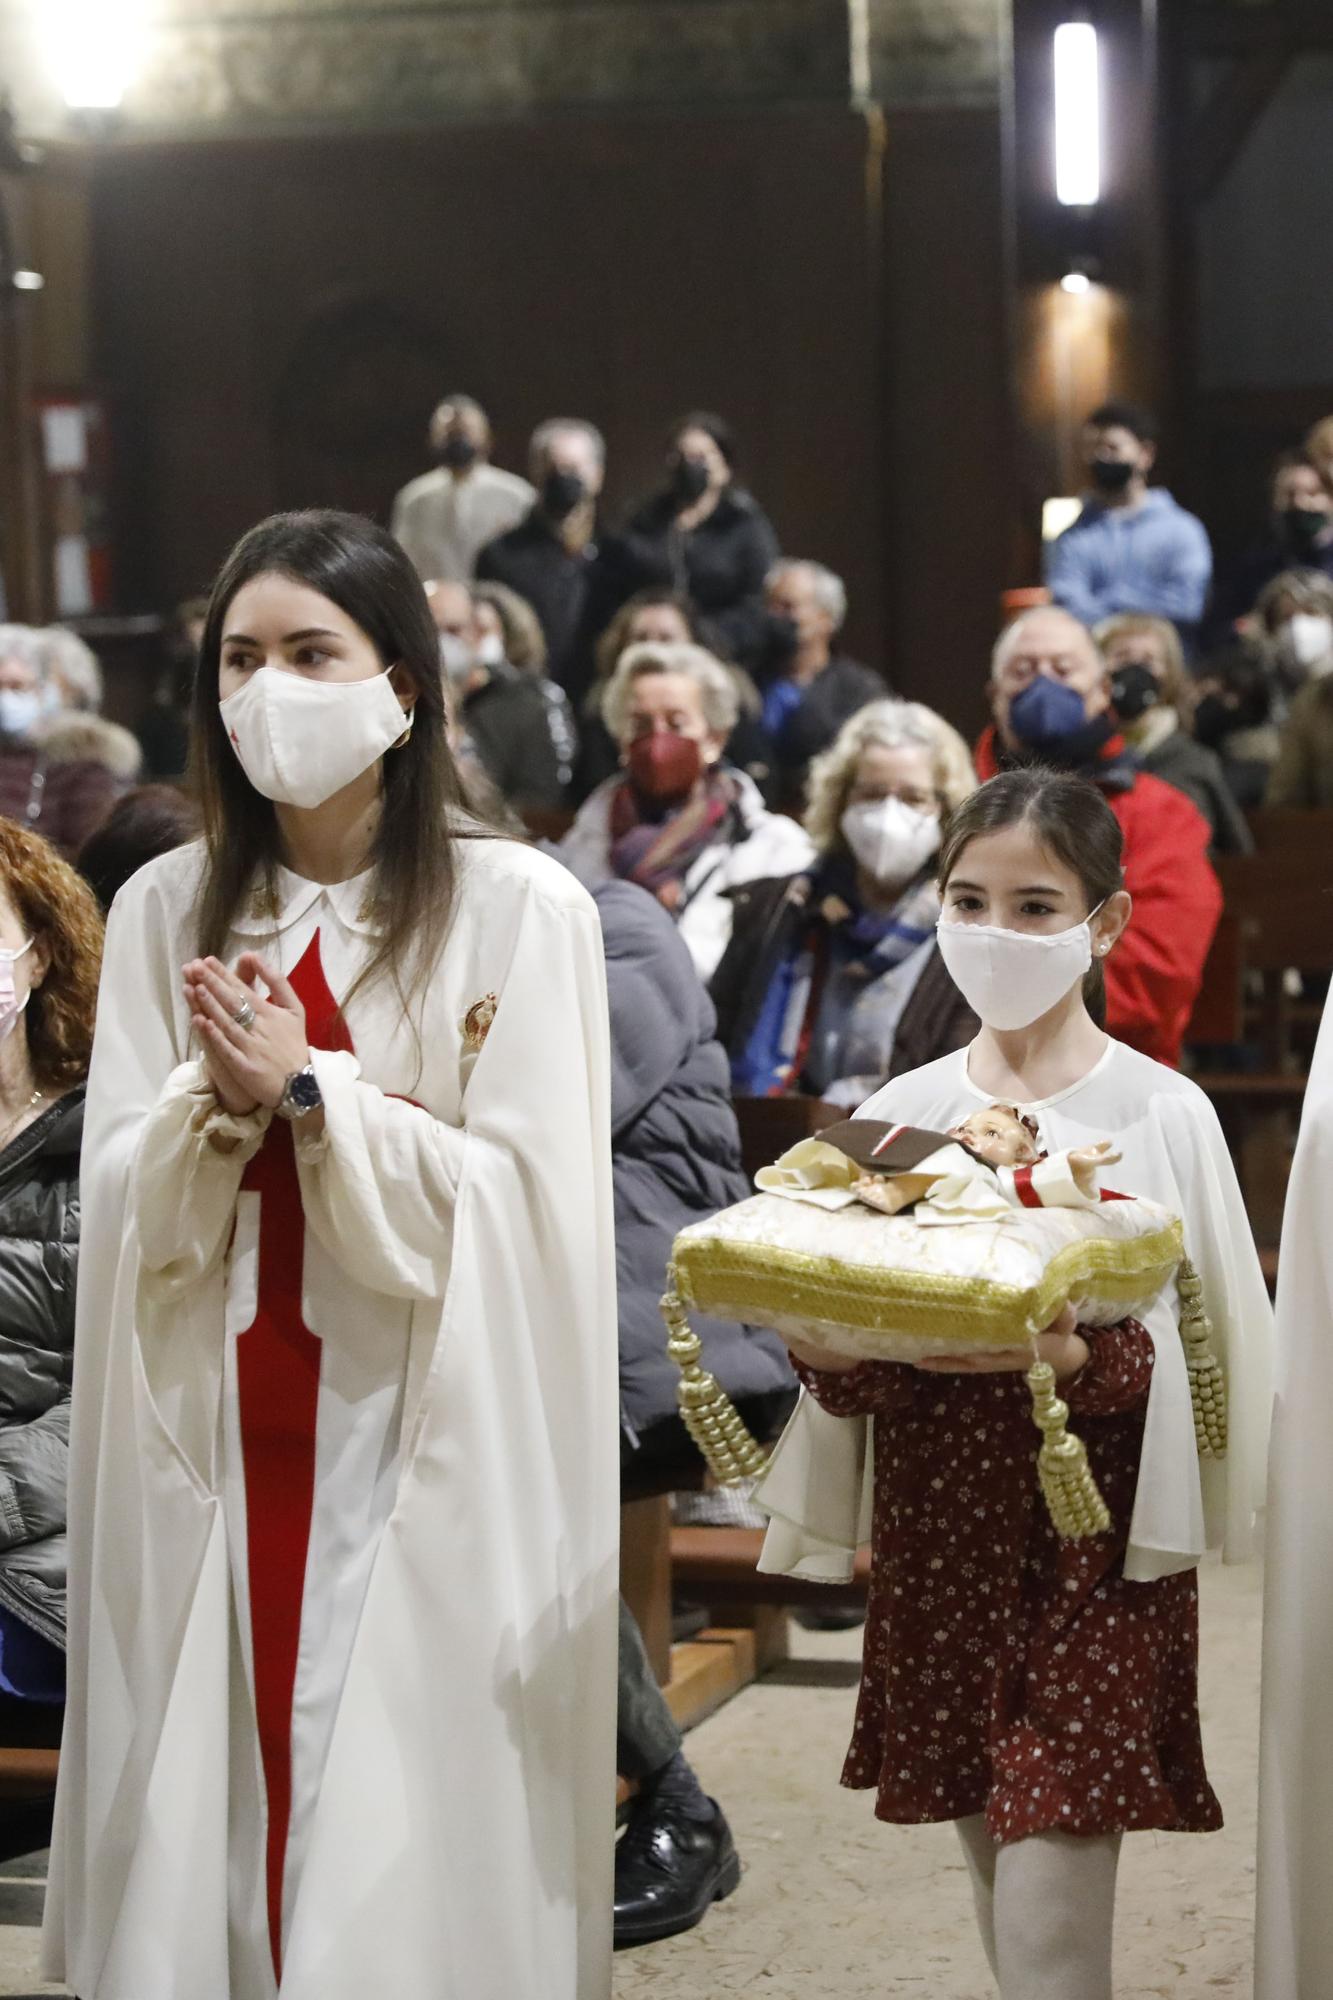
point(730, 1450)
point(722, 1275)
point(1076, 1508)
point(1208, 1388)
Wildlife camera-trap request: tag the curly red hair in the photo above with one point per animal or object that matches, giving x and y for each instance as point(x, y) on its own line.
point(57, 908)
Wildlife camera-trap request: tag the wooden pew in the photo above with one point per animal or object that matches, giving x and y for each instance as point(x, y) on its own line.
point(1282, 905)
point(1292, 830)
point(770, 1125)
point(715, 1562)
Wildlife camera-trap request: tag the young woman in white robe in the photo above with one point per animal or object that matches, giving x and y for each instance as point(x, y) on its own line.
point(1033, 899)
point(344, 1486)
point(1293, 1957)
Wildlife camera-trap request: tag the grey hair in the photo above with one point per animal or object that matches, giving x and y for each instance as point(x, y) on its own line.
point(545, 434)
point(23, 642)
point(1012, 634)
point(1308, 589)
point(717, 690)
point(830, 590)
point(75, 664)
point(885, 725)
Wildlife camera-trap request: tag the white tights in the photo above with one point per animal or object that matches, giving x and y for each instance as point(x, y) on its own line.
point(1045, 1907)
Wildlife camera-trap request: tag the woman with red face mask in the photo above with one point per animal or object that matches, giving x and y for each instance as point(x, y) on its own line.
point(676, 818)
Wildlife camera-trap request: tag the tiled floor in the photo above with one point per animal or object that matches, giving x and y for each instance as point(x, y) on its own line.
point(836, 1907)
point(21, 1886)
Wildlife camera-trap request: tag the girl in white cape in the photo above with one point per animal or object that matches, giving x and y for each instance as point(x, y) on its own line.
point(344, 1484)
point(1041, 1694)
point(1294, 1941)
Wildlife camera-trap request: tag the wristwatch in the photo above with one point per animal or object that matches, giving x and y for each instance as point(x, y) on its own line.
point(301, 1094)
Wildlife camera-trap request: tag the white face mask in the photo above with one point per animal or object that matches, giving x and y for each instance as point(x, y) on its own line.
point(1307, 639)
point(300, 741)
point(10, 1004)
point(1011, 978)
point(890, 839)
point(490, 650)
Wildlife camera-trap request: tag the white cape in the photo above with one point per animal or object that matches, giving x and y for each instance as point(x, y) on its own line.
point(817, 1487)
point(1294, 1941)
point(459, 1842)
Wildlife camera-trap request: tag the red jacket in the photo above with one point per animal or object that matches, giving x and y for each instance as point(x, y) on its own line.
point(1154, 974)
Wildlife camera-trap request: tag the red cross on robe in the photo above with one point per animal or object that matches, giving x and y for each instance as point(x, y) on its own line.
point(278, 1368)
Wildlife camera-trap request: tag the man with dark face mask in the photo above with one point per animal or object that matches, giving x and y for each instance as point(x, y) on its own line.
point(1050, 697)
point(554, 556)
point(1132, 547)
point(445, 518)
point(703, 535)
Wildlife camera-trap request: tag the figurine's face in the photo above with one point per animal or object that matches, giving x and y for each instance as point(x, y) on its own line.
point(1001, 1139)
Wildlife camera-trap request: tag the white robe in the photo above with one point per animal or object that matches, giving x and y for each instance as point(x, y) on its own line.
point(452, 1698)
point(818, 1485)
point(1294, 1940)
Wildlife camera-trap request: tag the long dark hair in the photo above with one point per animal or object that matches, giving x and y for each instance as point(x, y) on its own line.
point(362, 570)
point(1071, 820)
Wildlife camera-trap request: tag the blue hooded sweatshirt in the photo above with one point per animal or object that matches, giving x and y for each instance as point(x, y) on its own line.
point(1152, 558)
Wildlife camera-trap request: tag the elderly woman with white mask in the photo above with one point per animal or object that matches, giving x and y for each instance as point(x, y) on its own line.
point(677, 818)
point(833, 982)
point(1298, 609)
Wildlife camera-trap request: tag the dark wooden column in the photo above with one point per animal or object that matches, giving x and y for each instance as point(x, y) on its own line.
point(21, 541)
point(1068, 352)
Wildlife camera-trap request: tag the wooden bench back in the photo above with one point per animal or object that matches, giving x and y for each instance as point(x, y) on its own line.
point(771, 1125)
point(1293, 830)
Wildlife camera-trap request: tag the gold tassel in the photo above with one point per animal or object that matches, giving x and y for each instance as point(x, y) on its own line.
point(711, 1418)
point(1208, 1388)
point(1076, 1507)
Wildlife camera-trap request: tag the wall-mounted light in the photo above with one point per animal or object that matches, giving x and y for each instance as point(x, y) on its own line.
point(1078, 143)
point(1058, 513)
point(94, 48)
point(1076, 283)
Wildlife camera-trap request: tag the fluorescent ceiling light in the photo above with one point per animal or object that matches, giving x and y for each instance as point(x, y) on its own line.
point(93, 47)
point(1078, 145)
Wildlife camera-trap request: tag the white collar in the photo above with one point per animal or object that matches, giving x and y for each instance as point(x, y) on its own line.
point(264, 914)
point(1057, 1097)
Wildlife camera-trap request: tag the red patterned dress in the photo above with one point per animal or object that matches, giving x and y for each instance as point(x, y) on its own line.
point(1007, 1672)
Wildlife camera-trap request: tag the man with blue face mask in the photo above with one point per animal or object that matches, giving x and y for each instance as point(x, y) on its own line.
point(1050, 697)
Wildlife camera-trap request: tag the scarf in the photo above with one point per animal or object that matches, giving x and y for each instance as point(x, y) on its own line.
point(834, 972)
point(658, 850)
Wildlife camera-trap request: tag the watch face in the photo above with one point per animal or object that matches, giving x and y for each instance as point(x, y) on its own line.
point(303, 1092)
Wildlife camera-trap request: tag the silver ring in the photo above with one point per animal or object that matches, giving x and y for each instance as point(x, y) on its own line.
point(244, 1017)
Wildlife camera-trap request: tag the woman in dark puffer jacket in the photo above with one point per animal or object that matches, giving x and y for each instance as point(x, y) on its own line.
point(50, 952)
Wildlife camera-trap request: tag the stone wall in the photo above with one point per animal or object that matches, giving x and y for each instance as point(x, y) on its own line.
point(937, 51)
point(248, 65)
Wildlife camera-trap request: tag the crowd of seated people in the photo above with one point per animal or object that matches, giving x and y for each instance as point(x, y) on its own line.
point(758, 818)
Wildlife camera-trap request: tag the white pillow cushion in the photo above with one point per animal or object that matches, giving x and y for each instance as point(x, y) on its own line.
point(854, 1282)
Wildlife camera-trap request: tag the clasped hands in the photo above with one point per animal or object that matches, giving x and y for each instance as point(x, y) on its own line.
point(246, 1066)
point(1062, 1345)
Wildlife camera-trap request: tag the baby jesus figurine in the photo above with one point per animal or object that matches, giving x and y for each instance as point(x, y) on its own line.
point(995, 1150)
point(989, 1164)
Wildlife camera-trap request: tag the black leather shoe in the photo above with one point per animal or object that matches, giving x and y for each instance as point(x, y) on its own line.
point(669, 1871)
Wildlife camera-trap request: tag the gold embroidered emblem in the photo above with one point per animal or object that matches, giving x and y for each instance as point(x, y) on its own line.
point(477, 1021)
